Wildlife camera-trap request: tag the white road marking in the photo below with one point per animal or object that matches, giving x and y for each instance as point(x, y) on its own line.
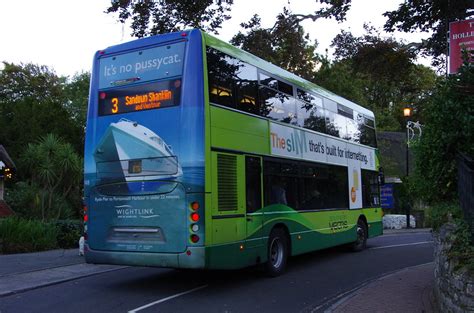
point(402, 245)
point(166, 299)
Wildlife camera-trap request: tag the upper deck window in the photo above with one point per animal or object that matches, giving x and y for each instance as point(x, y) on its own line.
point(232, 83)
point(276, 84)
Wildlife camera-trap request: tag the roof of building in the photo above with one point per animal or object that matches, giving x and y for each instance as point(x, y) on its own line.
point(5, 158)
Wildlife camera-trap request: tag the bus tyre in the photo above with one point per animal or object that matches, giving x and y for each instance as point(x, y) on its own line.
point(278, 247)
point(361, 241)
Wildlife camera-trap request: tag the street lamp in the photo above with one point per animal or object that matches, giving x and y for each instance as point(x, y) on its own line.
point(407, 114)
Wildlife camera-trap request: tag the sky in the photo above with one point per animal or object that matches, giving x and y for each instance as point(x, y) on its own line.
point(65, 34)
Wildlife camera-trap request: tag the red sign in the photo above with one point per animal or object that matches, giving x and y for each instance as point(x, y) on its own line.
point(461, 36)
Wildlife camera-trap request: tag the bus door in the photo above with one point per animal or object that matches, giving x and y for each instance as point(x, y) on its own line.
point(236, 203)
point(253, 202)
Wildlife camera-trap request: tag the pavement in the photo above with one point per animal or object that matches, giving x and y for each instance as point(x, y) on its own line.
point(26, 271)
point(406, 290)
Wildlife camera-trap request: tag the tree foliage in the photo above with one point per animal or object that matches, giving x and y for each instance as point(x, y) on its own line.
point(285, 44)
point(429, 16)
point(76, 92)
point(340, 78)
point(412, 15)
point(336, 9)
point(449, 120)
point(32, 104)
point(54, 172)
point(149, 17)
point(379, 73)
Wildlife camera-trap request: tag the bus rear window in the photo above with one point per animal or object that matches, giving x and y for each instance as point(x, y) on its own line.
point(149, 96)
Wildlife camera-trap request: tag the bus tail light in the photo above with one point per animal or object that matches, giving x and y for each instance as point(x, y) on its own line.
point(86, 219)
point(86, 215)
point(195, 217)
point(194, 238)
point(195, 206)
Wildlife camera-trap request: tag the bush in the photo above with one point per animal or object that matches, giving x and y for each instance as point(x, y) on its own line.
point(19, 235)
point(26, 200)
point(69, 232)
point(462, 250)
point(442, 213)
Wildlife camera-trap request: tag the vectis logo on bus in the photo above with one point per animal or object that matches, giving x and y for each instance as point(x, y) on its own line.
point(338, 225)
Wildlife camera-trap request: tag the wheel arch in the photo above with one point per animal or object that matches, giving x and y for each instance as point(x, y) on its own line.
point(283, 226)
point(364, 219)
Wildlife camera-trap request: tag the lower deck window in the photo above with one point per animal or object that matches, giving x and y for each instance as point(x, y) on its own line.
point(370, 189)
point(305, 186)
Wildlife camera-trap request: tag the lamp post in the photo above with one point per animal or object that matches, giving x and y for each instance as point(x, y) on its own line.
point(407, 114)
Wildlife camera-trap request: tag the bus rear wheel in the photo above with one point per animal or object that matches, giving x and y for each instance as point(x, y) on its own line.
point(277, 252)
point(361, 233)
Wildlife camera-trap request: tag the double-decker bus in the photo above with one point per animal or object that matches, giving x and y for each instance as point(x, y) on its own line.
point(201, 155)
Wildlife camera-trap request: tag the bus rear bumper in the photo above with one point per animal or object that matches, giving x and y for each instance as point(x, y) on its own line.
point(193, 257)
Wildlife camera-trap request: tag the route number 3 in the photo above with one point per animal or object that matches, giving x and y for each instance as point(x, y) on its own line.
point(115, 105)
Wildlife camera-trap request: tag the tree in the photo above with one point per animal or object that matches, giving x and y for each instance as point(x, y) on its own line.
point(76, 92)
point(449, 120)
point(285, 44)
point(31, 105)
point(336, 9)
point(429, 16)
point(156, 17)
point(340, 78)
point(54, 170)
point(379, 73)
point(412, 15)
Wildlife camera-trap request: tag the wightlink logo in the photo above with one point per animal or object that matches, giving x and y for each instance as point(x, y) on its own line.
point(127, 211)
point(292, 142)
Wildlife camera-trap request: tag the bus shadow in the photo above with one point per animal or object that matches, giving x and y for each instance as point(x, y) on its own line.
point(174, 280)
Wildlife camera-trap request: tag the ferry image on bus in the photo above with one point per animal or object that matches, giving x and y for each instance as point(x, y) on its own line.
point(201, 155)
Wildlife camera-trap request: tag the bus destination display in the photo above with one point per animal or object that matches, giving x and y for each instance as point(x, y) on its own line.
point(139, 98)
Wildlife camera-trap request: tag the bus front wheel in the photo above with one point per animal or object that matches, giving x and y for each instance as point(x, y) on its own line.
point(277, 252)
point(361, 233)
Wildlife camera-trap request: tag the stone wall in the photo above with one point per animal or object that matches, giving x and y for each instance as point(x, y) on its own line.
point(454, 290)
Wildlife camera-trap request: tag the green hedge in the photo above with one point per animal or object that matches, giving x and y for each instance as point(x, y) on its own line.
point(441, 213)
point(18, 235)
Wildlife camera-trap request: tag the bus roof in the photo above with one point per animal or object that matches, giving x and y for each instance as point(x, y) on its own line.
point(273, 69)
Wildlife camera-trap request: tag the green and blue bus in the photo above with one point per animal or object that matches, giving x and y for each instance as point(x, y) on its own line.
point(201, 155)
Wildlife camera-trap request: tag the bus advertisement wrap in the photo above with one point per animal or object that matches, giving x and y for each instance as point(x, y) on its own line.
point(296, 143)
point(143, 65)
point(144, 152)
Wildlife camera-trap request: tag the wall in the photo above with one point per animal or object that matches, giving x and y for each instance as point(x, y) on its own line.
point(454, 290)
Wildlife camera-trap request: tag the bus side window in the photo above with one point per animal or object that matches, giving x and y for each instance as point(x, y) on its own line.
point(221, 72)
point(370, 189)
point(253, 185)
point(246, 88)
